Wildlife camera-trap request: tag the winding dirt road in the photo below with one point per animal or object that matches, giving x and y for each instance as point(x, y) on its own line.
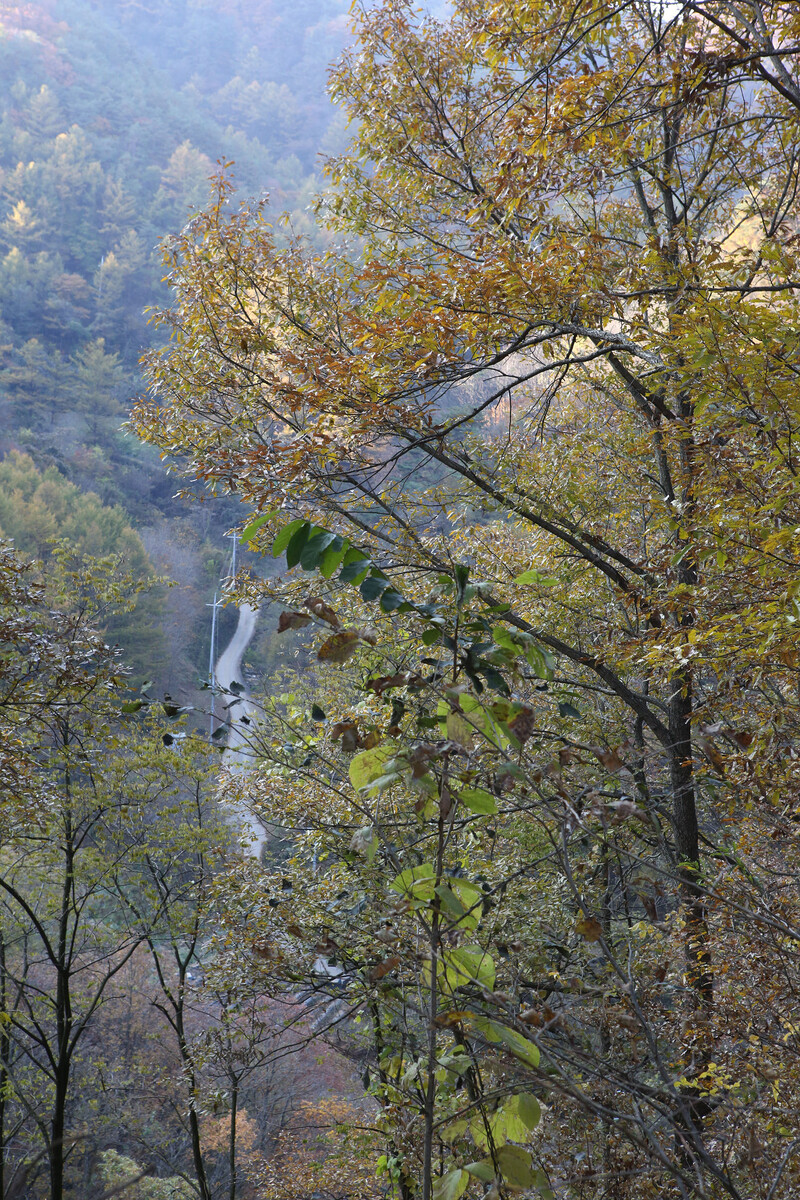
point(232, 708)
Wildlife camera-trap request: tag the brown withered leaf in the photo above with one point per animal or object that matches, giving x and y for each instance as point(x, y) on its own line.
point(589, 928)
point(294, 929)
point(319, 608)
point(743, 738)
point(523, 725)
point(263, 948)
point(384, 968)
point(622, 809)
point(383, 682)
point(292, 620)
point(445, 802)
point(532, 1016)
point(609, 758)
point(421, 757)
point(445, 1019)
point(341, 727)
point(340, 647)
point(713, 754)
point(350, 741)
point(348, 732)
point(371, 740)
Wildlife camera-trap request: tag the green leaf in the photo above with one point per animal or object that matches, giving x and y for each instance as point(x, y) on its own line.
point(478, 801)
point(133, 706)
point(459, 730)
point(416, 881)
point(520, 1046)
point(529, 1110)
point(374, 586)
point(472, 965)
point(249, 531)
point(451, 1186)
point(284, 536)
point(355, 565)
point(368, 766)
point(391, 599)
point(297, 544)
point(483, 1170)
point(516, 1167)
point(534, 576)
point(331, 559)
point(314, 549)
point(565, 709)
point(539, 660)
point(462, 903)
point(511, 1125)
point(461, 572)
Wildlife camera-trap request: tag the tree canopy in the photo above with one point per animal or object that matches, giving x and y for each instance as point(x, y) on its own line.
point(537, 402)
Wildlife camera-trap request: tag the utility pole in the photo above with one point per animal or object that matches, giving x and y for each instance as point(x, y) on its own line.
point(235, 536)
point(212, 660)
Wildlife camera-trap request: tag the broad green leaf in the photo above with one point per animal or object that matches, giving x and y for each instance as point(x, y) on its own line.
point(249, 531)
point(297, 544)
point(534, 576)
point(451, 1186)
point(530, 1112)
point(507, 640)
point(416, 881)
point(374, 586)
point(355, 566)
point(312, 552)
point(478, 801)
point(483, 1170)
point(516, 1167)
point(331, 559)
point(391, 600)
point(518, 1118)
point(521, 1047)
point(461, 903)
point(284, 536)
point(368, 766)
point(459, 730)
point(471, 964)
point(540, 661)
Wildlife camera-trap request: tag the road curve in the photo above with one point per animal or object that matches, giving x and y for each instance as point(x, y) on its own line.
point(231, 708)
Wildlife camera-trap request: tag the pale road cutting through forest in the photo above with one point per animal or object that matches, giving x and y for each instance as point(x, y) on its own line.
point(233, 708)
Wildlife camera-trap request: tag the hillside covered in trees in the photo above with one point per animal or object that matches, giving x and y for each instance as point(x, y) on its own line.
point(511, 418)
point(112, 117)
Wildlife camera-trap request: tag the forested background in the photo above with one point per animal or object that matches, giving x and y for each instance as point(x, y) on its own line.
point(113, 118)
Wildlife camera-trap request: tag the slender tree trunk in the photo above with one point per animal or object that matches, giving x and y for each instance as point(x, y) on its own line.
point(5, 1050)
point(194, 1124)
point(232, 1136)
point(63, 1004)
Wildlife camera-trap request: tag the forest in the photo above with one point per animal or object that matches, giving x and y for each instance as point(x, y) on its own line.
point(497, 397)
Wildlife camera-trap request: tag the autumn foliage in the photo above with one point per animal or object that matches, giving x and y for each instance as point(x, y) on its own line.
point(530, 425)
